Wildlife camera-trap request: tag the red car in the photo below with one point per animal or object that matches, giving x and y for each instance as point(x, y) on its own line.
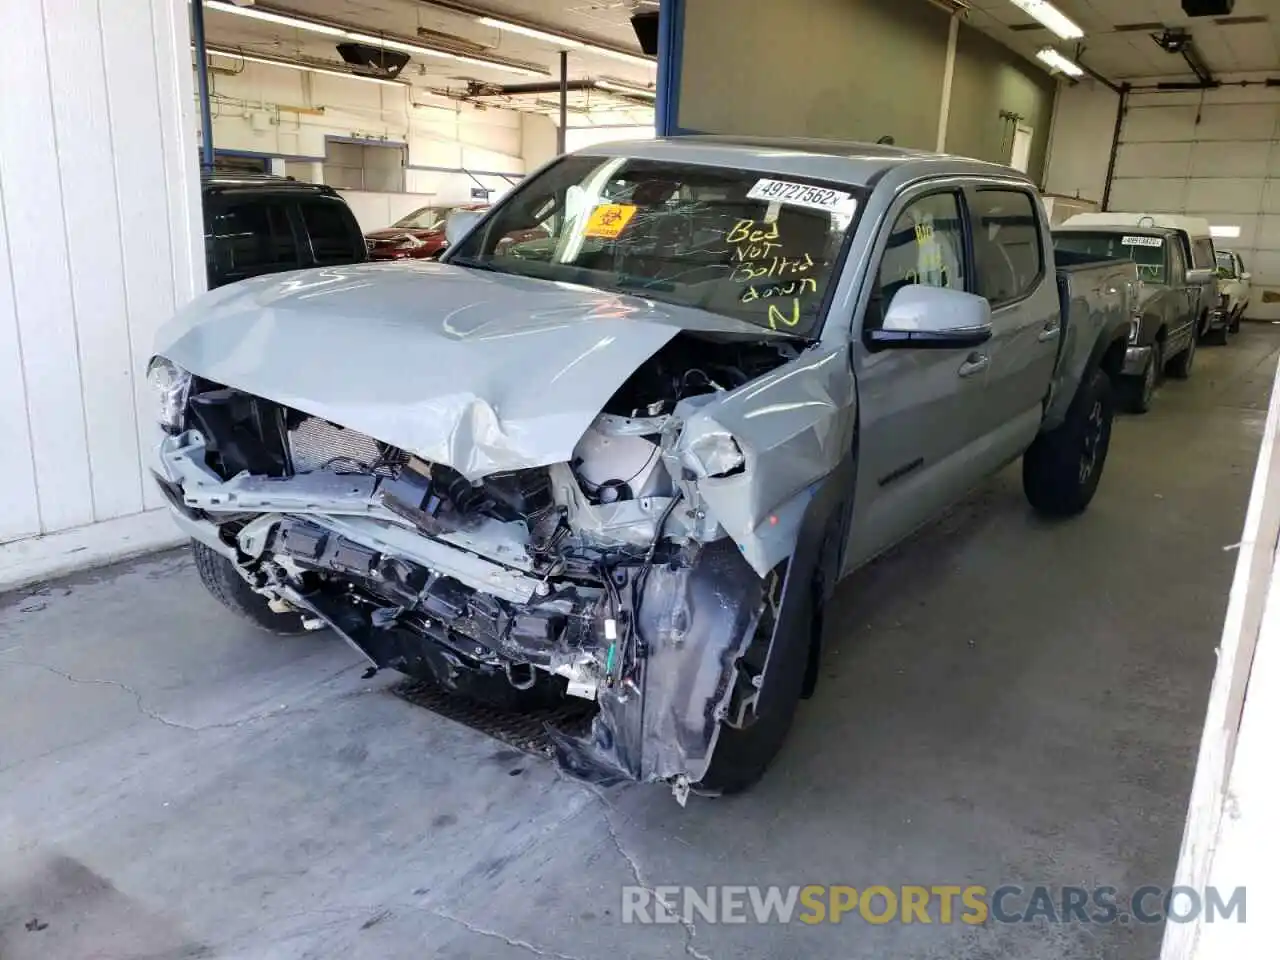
point(419, 235)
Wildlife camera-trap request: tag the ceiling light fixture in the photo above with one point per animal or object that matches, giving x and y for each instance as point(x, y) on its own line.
point(1051, 17)
point(630, 89)
point(334, 30)
point(1058, 62)
point(305, 67)
point(563, 40)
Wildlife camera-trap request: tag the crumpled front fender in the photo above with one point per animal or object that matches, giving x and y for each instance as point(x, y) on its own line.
point(661, 721)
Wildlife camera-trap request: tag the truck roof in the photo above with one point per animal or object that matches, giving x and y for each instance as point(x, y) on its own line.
point(842, 161)
point(1069, 226)
point(1193, 226)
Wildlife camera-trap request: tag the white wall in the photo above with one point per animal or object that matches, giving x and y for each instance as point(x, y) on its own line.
point(277, 111)
point(1084, 119)
point(1212, 154)
point(98, 224)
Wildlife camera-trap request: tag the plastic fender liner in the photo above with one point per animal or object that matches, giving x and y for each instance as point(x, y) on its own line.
point(695, 621)
point(814, 566)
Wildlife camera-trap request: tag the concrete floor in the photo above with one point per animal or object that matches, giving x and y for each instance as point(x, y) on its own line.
point(1004, 701)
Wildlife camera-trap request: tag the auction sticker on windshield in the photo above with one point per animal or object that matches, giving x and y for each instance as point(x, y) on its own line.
point(1142, 241)
point(608, 219)
point(802, 195)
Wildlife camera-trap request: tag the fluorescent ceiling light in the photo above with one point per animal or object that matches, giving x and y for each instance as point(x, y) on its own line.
point(1056, 60)
point(564, 41)
point(617, 86)
point(305, 67)
point(1050, 16)
point(1225, 232)
point(257, 13)
point(388, 43)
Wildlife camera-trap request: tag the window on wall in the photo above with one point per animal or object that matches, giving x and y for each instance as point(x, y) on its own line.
point(1007, 242)
point(374, 167)
point(300, 170)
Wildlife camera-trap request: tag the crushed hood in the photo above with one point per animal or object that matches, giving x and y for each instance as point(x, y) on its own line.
point(481, 371)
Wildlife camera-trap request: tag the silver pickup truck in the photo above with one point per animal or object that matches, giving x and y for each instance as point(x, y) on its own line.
point(630, 460)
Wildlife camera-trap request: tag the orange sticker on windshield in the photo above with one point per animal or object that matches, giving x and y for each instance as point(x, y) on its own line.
point(608, 219)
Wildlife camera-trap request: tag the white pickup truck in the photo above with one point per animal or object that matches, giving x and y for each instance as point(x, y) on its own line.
point(628, 460)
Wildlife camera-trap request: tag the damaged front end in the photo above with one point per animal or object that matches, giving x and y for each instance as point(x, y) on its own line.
point(644, 573)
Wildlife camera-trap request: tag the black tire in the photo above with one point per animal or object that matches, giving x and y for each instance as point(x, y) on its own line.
point(743, 754)
point(1234, 325)
point(219, 577)
point(1180, 366)
point(1061, 470)
point(1140, 391)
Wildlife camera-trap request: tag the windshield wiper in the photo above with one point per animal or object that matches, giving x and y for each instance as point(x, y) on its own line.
point(474, 264)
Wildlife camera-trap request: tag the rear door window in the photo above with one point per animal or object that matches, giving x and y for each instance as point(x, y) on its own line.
point(250, 237)
point(1006, 233)
point(334, 234)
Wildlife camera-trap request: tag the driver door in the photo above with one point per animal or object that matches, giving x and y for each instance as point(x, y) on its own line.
point(919, 408)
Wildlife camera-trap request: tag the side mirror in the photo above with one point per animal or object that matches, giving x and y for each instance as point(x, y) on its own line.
point(933, 317)
point(459, 224)
point(1198, 278)
point(1246, 276)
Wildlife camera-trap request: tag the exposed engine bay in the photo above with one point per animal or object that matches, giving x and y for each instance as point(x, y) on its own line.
point(573, 578)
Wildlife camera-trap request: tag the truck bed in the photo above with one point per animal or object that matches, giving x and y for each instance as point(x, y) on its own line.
point(1095, 298)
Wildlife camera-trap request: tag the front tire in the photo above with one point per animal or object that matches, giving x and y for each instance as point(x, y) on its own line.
point(219, 576)
point(743, 754)
point(1141, 390)
point(1062, 468)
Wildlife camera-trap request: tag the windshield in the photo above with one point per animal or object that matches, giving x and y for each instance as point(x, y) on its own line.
point(1146, 251)
point(1226, 264)
point(424, 218)
point(759, 249)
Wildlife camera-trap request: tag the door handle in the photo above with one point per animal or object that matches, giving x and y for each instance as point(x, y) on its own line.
point(1050, 331)
point(976, 363)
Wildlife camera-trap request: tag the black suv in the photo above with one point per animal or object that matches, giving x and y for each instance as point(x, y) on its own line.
point(256, 224)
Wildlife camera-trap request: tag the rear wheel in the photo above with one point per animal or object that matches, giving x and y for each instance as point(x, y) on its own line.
point(219, 576)
point(1180, 366)
point(1061, 470)
point(743, 753)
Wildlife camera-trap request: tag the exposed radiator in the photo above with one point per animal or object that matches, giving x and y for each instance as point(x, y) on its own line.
point(316, 443)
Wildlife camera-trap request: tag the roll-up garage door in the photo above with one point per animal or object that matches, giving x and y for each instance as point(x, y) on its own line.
point(1212, 154)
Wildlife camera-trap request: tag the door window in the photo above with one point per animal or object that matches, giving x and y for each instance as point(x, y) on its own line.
point(252, 237)
point(335, 237)
point(1202, 254)
point(1177, 264)
point(926, 246)
point(1007, 244)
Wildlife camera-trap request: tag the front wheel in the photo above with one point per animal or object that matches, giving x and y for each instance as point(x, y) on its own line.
point(1062, 468)
point(219, 576)
point(1141, 390)
point(743, 753)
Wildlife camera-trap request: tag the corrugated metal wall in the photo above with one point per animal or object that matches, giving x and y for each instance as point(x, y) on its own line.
point(99, 207)
point(1212, 154)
